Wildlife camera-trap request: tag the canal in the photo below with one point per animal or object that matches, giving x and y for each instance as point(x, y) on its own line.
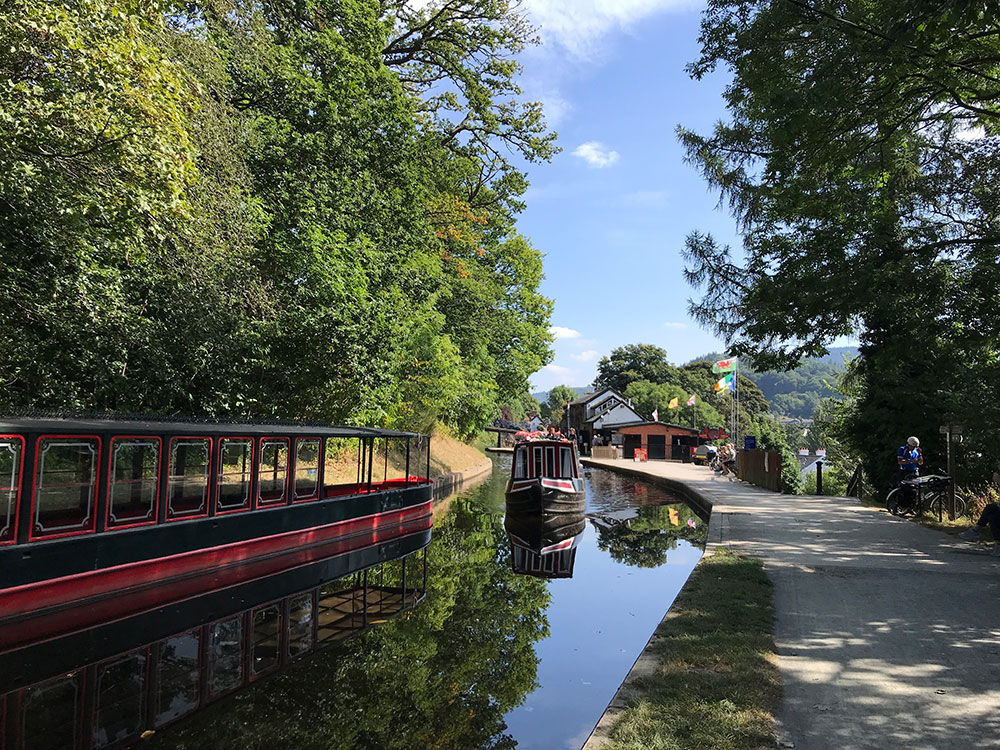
point(448, 646)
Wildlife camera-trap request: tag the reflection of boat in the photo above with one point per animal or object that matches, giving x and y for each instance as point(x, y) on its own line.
point(544, 545)
point(545, 478)
point(97, 507)
point(111, 683)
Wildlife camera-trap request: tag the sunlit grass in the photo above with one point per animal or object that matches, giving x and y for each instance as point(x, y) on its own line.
point(716, 686)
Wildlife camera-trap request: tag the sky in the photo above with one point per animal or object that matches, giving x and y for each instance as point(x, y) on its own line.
point(611, 211)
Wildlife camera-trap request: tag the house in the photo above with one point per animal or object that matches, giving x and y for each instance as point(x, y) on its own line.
point(599, 413)
point(658, 439)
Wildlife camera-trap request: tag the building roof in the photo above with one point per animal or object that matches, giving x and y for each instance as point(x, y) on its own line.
point(588, 397)
point(642, 422)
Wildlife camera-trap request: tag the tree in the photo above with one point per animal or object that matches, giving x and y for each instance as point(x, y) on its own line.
point(861, 162)
point(635, 362)
point(559, 397)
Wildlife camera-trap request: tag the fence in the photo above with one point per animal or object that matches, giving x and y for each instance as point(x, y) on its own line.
point(762, 468)
point(605, 451)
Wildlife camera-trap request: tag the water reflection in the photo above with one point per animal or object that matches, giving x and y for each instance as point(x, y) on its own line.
point(489, 659)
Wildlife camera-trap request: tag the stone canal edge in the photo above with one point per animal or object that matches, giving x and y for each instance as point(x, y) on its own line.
point(886, 632)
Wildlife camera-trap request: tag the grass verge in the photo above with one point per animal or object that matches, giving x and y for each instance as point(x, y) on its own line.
point(716, 686)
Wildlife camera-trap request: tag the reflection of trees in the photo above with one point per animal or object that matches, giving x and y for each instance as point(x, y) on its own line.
point(645, 540)
point(440, 676)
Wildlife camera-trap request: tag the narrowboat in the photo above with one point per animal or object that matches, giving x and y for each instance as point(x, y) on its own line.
point(544, 546)
point(111, 684)
point(97, 509)
point(544, 476)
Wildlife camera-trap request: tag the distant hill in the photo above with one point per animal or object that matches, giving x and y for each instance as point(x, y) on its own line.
point(796, 393)
point(542, 396)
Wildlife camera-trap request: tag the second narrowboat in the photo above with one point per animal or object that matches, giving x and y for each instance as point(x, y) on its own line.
point(545, 476)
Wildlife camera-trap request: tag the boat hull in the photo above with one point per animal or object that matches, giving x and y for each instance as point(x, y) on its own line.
point(546, 496)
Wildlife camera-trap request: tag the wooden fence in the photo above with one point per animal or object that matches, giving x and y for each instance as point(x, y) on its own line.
point(762, 468)
point(604, 451)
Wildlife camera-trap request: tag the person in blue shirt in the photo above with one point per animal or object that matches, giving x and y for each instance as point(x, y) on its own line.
point(910, 458)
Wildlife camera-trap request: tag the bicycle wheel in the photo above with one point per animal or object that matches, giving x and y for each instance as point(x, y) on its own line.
point(961, 506)
point(892, 503)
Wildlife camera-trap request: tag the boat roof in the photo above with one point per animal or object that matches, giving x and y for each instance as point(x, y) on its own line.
point(133, 424)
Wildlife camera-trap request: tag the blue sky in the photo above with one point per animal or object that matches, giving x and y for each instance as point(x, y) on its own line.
point(611, 211)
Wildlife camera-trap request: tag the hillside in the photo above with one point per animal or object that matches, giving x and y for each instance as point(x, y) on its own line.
point(796, 393)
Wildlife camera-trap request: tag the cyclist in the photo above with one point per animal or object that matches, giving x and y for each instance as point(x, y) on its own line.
point(910, 458)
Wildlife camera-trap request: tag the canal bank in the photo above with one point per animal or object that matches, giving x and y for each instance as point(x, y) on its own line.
point(886, 631)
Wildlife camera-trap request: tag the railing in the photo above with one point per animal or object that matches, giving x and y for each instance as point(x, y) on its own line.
point(762, 468)
point(604, 451)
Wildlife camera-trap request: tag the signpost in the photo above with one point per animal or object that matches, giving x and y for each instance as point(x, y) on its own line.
point(953, 433)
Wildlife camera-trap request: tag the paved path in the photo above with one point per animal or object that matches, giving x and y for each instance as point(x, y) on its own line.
point(888, 633)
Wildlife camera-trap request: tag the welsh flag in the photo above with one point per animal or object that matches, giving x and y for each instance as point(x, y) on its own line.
point(691, 400)
point(672, 404)
point(725, 365)
point(727, 381)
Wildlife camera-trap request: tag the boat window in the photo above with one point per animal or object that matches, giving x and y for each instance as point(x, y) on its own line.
point(300, 624)
point(65, 486)
point(550, 462)
point(265, 636)
point(340, 608)
point(235, 469)
point(566, 459)
point(135, 481)
point(120, 702)
point(10, 471)
point(225, 656)
point(187, 485)
point(49, 713)
point(520, 463)
point(536, 466)
point(177, 684)
point(306, 469)
point(273, 471)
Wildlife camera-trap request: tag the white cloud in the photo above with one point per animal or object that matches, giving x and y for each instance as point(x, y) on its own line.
point(671, 324)
point(596, 154)
point(587, 356)
point(970, 134)
point(558, 332)
point(580, 25)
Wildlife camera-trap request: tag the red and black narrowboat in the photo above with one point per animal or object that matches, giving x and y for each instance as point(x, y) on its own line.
point(99, 509)
point(544, 476)
point(544, 546)
point(113, 683)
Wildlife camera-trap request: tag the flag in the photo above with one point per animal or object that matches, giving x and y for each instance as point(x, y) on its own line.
point(656, 415)
point(725, 365)
point(673, 516)
point(727, 381)
point(672, 404)
point(691, 400)
point(692, 524)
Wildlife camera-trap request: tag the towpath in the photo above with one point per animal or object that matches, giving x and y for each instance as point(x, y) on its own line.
point(888, 633)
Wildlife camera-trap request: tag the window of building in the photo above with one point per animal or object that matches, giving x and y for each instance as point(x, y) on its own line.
point(11, 451)
point(135, 481)
point(187, 484)
point(272, 477)
point(235, 470)
point(65, 485)
point(306, 469)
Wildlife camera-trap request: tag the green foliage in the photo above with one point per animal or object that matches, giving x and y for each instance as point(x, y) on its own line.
point(861, 160)
point(627, 364)
point(648, 396)
point(645, 541)
point(771, 437)
point(251, 209)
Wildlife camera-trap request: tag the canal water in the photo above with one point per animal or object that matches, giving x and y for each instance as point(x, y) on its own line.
point(491, 645)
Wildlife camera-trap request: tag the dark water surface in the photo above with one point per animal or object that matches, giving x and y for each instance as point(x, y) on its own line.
point(439, 646)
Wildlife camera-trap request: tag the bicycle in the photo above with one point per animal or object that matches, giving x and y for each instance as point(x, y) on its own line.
point(931, 495)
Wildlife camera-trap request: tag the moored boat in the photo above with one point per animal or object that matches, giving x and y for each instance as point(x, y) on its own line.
point(544, 546)
point(96, 508)
point(544, 476)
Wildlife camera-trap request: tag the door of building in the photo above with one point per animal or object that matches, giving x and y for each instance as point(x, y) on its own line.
point(631, 443)
point(657, 446)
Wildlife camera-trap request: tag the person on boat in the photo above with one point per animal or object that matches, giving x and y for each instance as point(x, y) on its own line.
point(553, 431)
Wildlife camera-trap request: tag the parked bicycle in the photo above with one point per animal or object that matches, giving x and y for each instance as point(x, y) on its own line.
point(912, 497)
